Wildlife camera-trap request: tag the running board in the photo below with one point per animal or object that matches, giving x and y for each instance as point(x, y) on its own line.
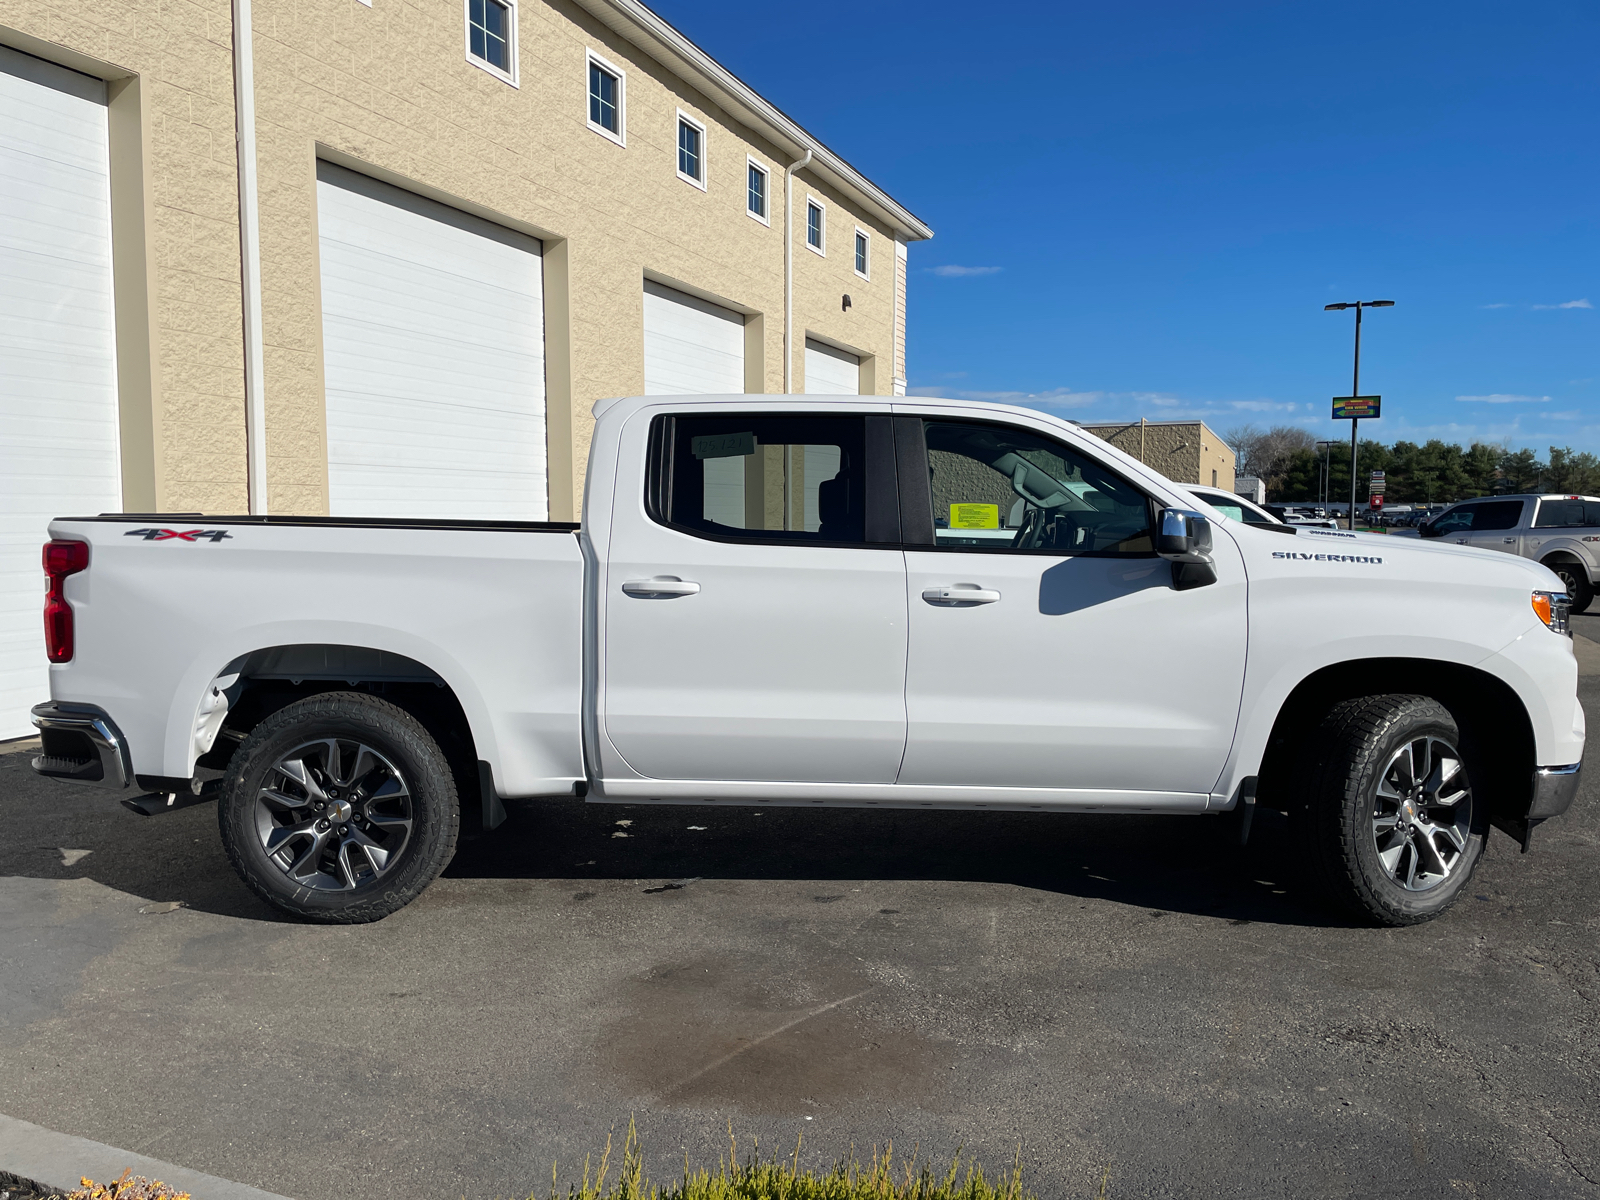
point(156, 803)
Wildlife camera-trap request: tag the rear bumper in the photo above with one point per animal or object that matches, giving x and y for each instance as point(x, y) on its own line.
point(1553, 790)
point(82, 744)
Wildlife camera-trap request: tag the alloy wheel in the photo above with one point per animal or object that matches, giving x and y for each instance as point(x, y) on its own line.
point(333, 814)
point(1422, 813)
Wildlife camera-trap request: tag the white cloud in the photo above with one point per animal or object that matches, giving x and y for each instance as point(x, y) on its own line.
point(1563, 304)
point(1572, 414)
point(1502, 398)
point(1494, 306)
point(950, 270)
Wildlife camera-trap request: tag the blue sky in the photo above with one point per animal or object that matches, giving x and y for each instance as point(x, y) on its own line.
point(1141, 208)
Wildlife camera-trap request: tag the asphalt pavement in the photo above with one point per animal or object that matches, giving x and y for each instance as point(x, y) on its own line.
point(1128, 999)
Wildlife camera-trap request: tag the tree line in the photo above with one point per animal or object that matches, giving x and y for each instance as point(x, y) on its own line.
point(1294, 467)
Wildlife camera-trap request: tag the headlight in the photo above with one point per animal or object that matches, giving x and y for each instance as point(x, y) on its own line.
point(1553, 608)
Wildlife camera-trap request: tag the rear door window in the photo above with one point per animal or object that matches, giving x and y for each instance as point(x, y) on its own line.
point(767, 478)
point(1476, 518)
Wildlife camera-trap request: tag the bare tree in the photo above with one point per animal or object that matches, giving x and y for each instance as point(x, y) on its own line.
point(1266, 453)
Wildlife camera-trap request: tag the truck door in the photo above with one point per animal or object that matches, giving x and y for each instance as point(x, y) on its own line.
point(754, 601)
point(1495, 525)
point(1049, 648)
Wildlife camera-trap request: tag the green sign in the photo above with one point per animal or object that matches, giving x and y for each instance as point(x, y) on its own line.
point(1357, 408)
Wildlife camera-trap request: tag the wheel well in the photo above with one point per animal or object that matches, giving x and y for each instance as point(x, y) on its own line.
point(1486, 709)
point(276, 676)
point(1566, 556)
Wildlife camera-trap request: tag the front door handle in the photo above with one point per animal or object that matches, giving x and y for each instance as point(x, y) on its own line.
point(1510, 540)
point(959, 594)
point(662, 587)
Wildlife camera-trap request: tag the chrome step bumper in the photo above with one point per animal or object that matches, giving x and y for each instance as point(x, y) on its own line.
point(81, 743)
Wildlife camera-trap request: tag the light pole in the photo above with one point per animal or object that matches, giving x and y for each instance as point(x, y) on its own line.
point(1327, 472)
point(1355, 386)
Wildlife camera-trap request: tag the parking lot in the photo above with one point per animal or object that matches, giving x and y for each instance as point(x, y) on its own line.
point(1129, 999)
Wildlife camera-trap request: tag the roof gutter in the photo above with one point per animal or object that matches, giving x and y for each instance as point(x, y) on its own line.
point(630, 18)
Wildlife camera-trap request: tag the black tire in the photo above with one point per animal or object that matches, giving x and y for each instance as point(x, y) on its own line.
point(338, 872)
point(1575, 578)
point(1358, 753)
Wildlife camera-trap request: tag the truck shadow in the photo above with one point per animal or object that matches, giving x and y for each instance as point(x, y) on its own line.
point(1174, 864)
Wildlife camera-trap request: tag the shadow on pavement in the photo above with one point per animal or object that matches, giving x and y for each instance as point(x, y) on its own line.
point(1175, 864)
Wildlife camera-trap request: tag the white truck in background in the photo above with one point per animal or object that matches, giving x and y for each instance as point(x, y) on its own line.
point(1562, 532)
point(802, 600)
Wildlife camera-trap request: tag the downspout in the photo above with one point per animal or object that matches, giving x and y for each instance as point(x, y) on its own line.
point(788, 270)
point(255, 384)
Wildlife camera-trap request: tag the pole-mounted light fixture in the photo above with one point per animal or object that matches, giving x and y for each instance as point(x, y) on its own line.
point(1355, 387)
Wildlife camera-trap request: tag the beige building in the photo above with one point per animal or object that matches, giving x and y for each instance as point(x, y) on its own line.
point(1183, 451)
point(381, 257)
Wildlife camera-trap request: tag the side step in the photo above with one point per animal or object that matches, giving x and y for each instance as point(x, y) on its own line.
point(156, 803)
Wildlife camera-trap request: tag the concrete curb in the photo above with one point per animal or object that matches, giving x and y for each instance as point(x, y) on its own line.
point(56, 1161)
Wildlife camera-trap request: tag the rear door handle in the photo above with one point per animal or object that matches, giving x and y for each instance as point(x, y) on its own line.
point(959, 594)
point(662, 587)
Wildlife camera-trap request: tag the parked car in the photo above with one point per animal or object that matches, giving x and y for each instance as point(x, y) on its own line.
point(1235, 508)
point(1562, 532)
point(799, 600)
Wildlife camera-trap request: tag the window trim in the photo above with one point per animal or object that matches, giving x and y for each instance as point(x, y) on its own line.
point(513, 43)
point(866, 235)
point(677, 129)
point(766, 196)
point(881, 498)
point(822, 226)
point(591, 59)
point(916, 496)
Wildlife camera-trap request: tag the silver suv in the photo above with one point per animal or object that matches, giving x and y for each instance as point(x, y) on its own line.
point(1562, 532)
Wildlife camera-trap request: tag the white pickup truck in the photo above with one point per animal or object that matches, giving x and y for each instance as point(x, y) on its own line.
point(799, 600)
point(1562, 532)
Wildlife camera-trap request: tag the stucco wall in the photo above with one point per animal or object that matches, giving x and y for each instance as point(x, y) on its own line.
point(180, 140)
point(388, 90)
point(1183, 451)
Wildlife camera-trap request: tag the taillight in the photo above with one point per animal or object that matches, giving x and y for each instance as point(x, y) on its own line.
point(60, 560)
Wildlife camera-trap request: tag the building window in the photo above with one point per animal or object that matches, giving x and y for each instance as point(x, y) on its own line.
point(816, 232)
point(691, 150)
point(607, 99)
point(1213, 479)
point(492, 37)
point(756, 191)
point(862, 261)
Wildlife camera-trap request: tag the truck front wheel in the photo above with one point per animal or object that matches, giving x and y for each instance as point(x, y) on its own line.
point(339, 808)
point(1575, 578)
point(1386, 813)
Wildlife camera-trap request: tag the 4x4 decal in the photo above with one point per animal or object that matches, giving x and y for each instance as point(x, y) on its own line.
point(180, 535)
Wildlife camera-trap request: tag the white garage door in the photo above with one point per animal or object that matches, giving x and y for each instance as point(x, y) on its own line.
point(831, 372)
point(58, 367)
point(433, 356)
point(691, 346)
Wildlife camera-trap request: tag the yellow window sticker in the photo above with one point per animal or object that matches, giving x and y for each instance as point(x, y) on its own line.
point(974, 516)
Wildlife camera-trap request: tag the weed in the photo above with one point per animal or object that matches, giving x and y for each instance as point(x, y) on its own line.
point(881, 1178)
point(127, 1186)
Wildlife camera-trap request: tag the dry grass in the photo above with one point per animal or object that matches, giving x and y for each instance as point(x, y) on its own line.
point(881, 1178)
point(126, 1187)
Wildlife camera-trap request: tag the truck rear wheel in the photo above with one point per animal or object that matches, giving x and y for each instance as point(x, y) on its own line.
point(1386, 815)
point(1575, 578)
point(339, 808)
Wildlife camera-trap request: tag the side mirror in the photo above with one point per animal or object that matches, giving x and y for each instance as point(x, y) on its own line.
point(1427, 530)
point(1183, 538)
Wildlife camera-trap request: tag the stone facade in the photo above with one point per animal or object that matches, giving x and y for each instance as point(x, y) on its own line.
point(1183, 451)
point(387, 89)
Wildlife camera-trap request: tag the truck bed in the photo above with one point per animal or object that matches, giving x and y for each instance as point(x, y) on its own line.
point(491, 610)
